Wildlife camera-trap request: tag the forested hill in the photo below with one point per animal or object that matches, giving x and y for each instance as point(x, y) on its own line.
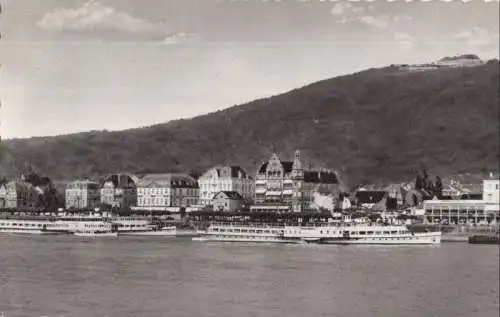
point(372, 126)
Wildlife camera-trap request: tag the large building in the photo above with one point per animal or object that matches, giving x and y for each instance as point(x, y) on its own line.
point(82, 194)
point(470, 211)
point(284, 186)
point(225, 178)
point(161, 191)
point(119, 190)
point(19, 194)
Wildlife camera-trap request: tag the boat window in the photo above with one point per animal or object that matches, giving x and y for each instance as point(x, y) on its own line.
point(378, 232)
point(386, 232)
point(244, 230)
point(258, 231)
point(362, 232)
point(394, 232)
point(369, 232)
point(237, 230)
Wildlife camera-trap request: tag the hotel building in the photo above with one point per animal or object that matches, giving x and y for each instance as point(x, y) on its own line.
point(283, 186)
point(82, 194)
point(162, 191)
point(225, 178)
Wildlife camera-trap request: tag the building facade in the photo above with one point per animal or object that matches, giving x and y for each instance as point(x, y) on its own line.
point(82, 194)
point(20, 194)
point(225, 178)
point(227, 201)
point(160, 191)
point(287, 184)
point(3, 195)
point(119, 190)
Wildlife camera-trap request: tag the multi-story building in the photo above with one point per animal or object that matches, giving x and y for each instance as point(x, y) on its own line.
point(160, 191)
point(21, 194)
point(3, 195)
point(287, 186)
point(82, 194)
point(119, 190)
point(225, 178)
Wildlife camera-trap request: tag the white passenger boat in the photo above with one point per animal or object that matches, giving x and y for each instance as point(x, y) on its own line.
point(30, 226)
point(242, 233)
point(360, 234)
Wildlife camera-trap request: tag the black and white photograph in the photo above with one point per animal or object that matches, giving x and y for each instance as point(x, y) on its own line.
point(249, 158)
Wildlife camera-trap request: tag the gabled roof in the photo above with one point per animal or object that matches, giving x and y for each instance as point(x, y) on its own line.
point(287, 167)
point(230, 194)
point(168, 180)
point(232, 171)
point(122, 180)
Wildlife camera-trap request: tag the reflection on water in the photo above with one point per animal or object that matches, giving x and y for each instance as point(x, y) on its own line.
point(137, 276)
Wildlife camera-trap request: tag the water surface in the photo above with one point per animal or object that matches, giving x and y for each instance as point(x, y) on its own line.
point(141, 276)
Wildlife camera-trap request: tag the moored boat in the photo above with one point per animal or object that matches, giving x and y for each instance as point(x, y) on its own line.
point(30, 226)
point(484, 239)
point(346, 233)
point(242, 233)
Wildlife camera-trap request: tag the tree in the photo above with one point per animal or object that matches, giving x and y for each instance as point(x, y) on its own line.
point(438, 187)
point(419, 182)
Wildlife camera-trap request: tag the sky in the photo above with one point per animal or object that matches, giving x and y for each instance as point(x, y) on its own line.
point(72, 66)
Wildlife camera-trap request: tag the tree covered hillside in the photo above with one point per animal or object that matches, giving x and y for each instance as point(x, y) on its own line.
point(376, 125)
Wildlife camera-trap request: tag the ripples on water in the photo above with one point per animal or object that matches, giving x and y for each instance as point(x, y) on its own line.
point(63, 276)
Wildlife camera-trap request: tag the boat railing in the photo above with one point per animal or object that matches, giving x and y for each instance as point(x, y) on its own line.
point(246, 225)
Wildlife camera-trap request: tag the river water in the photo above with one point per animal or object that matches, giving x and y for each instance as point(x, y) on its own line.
point(64, 276)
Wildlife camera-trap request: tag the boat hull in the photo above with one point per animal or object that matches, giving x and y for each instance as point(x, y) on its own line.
point(149, 234)
point(378, 242)
point(242, 239)
point(96, 235)
point(7, 232)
